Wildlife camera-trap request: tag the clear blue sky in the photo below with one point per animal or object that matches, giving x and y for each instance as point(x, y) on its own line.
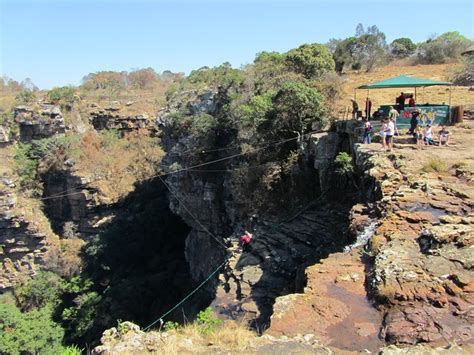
point(57, 42)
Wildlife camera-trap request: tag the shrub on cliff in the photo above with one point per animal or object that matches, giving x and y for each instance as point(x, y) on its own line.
point(208, 321)
point(255, 111)
point(43, 290)
point(31, 332)
point(64, 96)
point(203, 123)
point(25, 166)
point(343, 163)
point(206, 78)
point(25, 97)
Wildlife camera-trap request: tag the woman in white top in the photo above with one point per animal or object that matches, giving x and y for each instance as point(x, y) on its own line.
point(428, 135)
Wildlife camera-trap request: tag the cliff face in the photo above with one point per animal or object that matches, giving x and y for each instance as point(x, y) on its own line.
point(37, 124)
point(74, 208)
point(112, 117)
point(26, 243)
point(414, 282)
point(280, 201)
point(413, 285)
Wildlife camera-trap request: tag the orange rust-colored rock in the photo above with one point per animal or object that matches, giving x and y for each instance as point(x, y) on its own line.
point(334, 306)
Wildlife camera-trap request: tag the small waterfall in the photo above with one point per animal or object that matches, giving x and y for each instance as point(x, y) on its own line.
point(363, 236)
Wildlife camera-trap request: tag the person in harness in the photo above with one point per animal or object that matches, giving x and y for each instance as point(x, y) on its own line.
point(245, 241)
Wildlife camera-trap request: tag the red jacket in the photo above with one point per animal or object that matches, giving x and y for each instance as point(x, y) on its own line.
point(245, 239)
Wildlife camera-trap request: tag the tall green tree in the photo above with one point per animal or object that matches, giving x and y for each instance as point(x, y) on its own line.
point(366, 49)
point(442, 49)
point(31, 332)
point(402, 47)
point(311, 60)
point(296, 107)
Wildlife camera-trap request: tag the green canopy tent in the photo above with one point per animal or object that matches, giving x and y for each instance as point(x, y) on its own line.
point(404, 81)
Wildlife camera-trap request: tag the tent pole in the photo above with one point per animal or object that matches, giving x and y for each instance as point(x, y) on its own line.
point(449, 107)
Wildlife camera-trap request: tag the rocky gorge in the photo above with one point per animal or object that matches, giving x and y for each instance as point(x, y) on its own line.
point(308, 270)
point(407, 281)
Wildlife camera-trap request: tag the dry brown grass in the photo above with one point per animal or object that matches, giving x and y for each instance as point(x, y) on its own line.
point(231, 336)
point(65, 260)
point(115, 165)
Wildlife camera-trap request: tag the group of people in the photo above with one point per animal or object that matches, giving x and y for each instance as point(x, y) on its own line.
point(423, 134)
point(388, 129)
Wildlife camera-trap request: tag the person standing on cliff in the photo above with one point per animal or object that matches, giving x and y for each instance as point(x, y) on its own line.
point(400, 102)
point(367, 132)
point(368, 108)
point(355, 109)
point(245, 241)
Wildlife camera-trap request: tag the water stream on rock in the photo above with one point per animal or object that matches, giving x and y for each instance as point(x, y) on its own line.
point(362, 237)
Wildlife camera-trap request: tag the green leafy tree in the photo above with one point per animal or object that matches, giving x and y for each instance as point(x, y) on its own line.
point(370, 49)
point(296, 106)
point(443, 48)
point(345, 53)
point(268, 72)
point(203, 123)
point(31, 332)
point(43, 290)
point(255, 111)
point(366, 49)
point(402, 47)
point(311, 60)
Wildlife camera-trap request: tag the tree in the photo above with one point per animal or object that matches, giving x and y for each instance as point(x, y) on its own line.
point(371, 49)
point(105, 80)
point(143, 78)
point(345, 53)
point(296, 106)
point(28, 84)
point(32, 332)
point(255, 111)
point(359, 30)
point(311, 60)
point(367, 49)
point(43, 290)
point(443, 48)
point(332, 44)
point(402, 47)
